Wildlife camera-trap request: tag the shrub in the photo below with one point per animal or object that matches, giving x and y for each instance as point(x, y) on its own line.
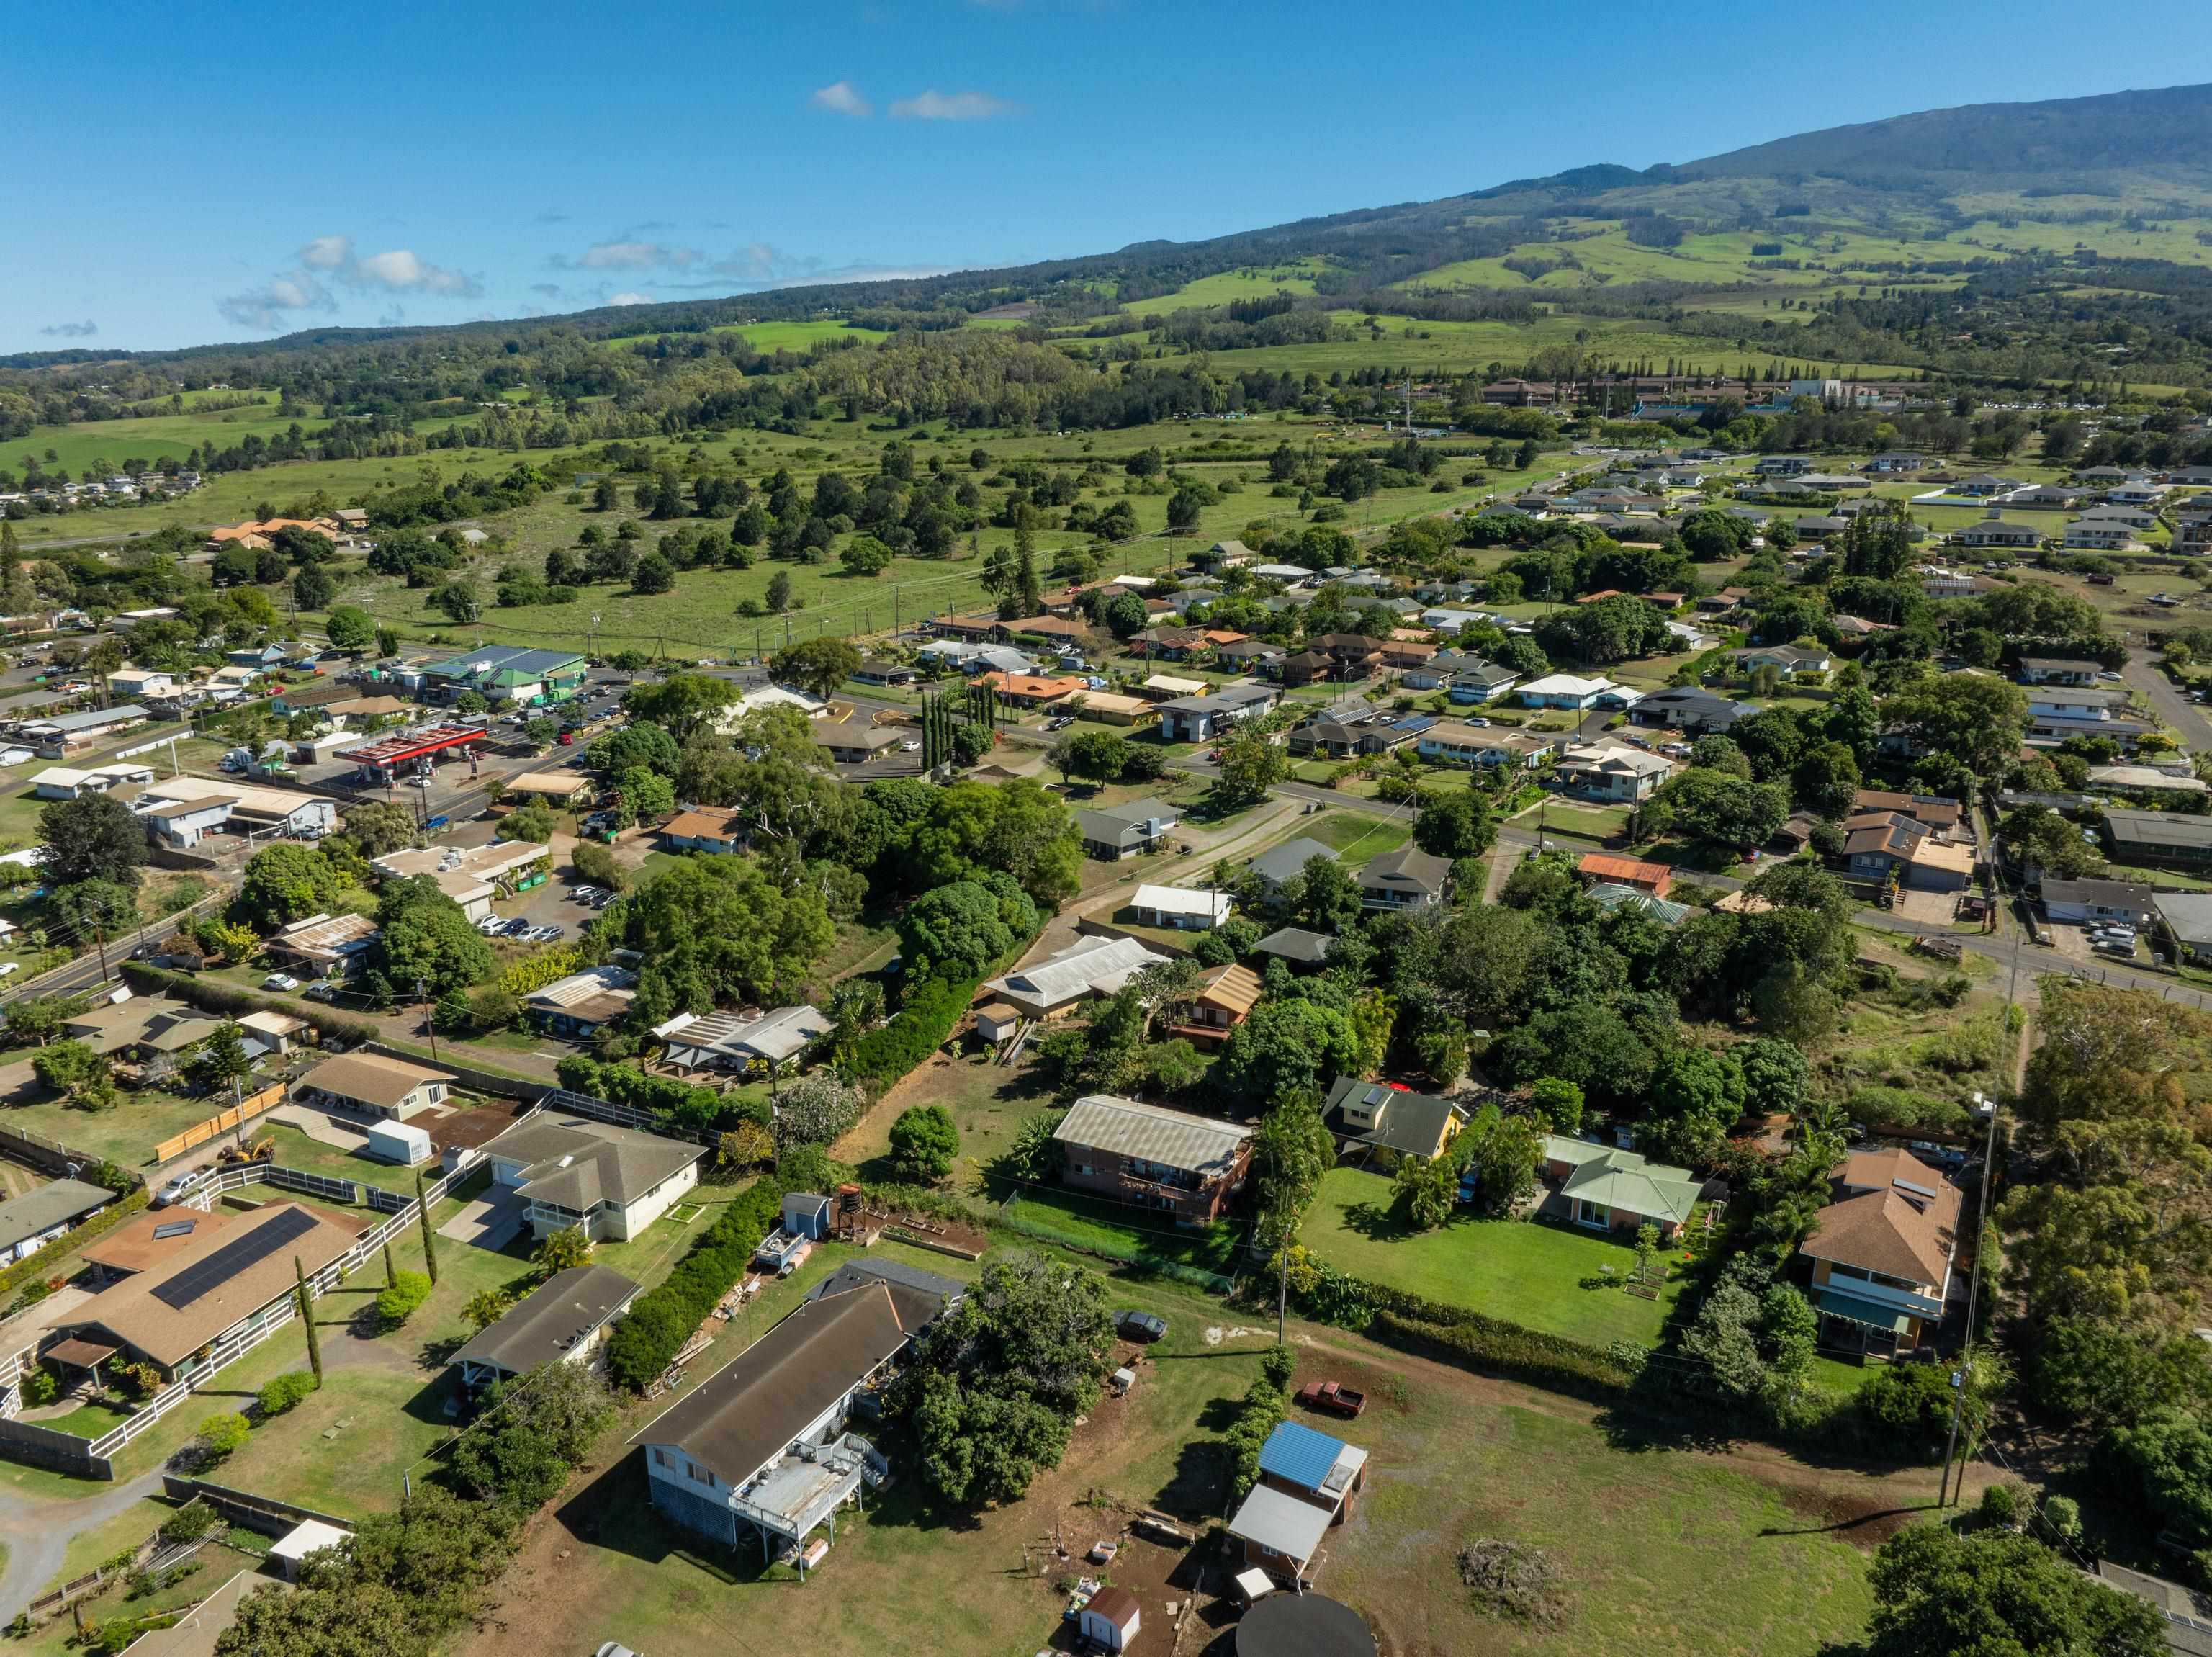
point(2000, 1505)
point(659, 1323)
point(398, 1302)
point(285, 1391)
point(932, 1007)
point(219, 1435)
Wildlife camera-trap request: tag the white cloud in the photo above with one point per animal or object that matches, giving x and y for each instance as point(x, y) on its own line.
point(627, 254)
point(326, 252)
point(934, 106)
point(631, 299)
point(71, 330)
point(332, 259)
point(843, 98)
point(401, 270)
point(263, 309)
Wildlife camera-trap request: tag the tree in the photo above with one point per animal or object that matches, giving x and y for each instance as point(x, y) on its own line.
point(487, 1307)
point(1286, 1046)
point(818, 666)
point(305, 1303)
point(635, 744)
point(1251, 764)
point(716, 932)
point(423, 937)
point(1973, 720)
point(648, 794)
point(221, 1435)
point(1696, 1096)
point(1774, 1076)
point(402, 1298)
point(958, 931)
point(351, 629)
point(1826, 779)
point(1125, 615)
point(1992, 1594)
point(996, 1383)
point(70, 1068)
point(284, 883)
point(1454, 826)
point(377, 827)
point(529, 1435)
point(777, 598)
point(1094, 756)
point(681, 704)
point(1425, 1187)
point(924, 1142)
point(1560, 1103)
point(220, 1059)
point(815, 1110)
point(563, 1251)
point(864, 555)
point(313, 587)
point(94, 838)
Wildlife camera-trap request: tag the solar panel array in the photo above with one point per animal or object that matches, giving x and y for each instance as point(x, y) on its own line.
point(205, 1277)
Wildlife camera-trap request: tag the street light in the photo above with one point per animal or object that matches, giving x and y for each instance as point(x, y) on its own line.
point(1987, 1107)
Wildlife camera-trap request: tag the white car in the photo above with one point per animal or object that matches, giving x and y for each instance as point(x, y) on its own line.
point(7, 967)
point(280, 981)
point(16, 757)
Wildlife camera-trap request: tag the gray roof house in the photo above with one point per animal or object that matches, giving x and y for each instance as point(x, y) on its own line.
point(1112, 832)
point(560, 1321)
point(564, 1171)
point(2186, 917)
point(1280, 865)
point(30, 1221)
point(1404, 879)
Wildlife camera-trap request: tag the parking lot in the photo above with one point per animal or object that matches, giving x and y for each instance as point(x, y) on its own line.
point(2075, 943)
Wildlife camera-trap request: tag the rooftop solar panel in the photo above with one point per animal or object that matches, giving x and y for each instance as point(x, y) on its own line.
point(204, 1277)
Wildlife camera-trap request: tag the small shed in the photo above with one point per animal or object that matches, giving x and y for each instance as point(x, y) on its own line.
point(995, 1022)
point(398, 1142)
point(1110, 1619)
point(309, 1535)
point(805, 1214)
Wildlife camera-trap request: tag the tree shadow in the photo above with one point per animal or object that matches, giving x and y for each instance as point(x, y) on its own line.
point(1378, 1222)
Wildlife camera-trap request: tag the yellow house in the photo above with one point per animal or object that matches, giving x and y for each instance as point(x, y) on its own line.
point(1391, 1121)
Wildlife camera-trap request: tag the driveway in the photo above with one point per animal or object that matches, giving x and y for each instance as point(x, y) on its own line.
point(489, 1222)
point(323, 1127)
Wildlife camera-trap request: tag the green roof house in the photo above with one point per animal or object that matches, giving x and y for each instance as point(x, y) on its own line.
point(506, 674)
point(1610, 1189)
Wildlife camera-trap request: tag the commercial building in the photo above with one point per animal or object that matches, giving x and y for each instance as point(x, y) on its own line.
point(506, 675)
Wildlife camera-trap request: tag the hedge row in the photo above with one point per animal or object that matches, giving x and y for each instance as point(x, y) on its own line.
point(643, 1342)
point(213, 996)
point(889, 1051)
point(33, 1267)
point(677, 1105)
point(1501, 1348)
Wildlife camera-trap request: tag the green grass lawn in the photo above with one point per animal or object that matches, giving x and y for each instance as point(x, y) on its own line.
point(1125, 1234)
point(1588, 822)
point(1355, 836)
point(126, 1134)
point(89, 1419)
point(1541, 1276)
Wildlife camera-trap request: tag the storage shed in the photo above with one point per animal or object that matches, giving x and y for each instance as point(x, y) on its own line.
point(1110, 1619)
point(398, 1142)
point(309, 1535)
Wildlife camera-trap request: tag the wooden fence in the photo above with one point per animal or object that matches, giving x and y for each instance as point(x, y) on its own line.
point(238, 1116)
point(263, 1514)
point(47, 1605)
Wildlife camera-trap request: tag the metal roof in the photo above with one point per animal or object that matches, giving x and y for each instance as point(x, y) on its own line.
point(50, 1205)
point(90, 719)
point(1281, 1523)
point(1301, 1455)
point(562, 1310)
point(1152, 1133)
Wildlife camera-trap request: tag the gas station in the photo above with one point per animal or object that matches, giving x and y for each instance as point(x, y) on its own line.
point(414, 752)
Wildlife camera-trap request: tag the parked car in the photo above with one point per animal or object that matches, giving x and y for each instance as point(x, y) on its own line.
point(1140, 1326)
point(2115, 947)
point(24, 756)
point(568, 739)
point(1333, 1398)
point(280, 981)
point(583, 894)
point(9, 967)
point(176, 1189)
point(322, 991)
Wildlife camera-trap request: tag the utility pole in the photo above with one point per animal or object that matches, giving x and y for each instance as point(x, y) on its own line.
point(422, 994)
point(100, 940)
point(1945, 1494)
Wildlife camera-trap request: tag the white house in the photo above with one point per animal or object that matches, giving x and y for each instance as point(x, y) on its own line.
point(562, 1320)
point(1562, 691)
point(570, 1170)
point(373, 1085)
point(1179, 908)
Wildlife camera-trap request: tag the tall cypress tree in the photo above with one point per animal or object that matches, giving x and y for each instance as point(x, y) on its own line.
point(429, 1238)
point(307, 1320)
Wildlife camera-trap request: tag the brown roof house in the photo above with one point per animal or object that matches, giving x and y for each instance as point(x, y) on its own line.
point(1882, 1254)
point(759, 1449)
point(1151, 1157)
point(1225, 998)
point(374, 1085)
point(227, 1280)
point(1881, 845)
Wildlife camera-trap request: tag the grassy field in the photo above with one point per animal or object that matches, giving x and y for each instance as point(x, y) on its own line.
point(1089, 1224)
point(1252, 282)
point(1541, 1276)
point(74, 447)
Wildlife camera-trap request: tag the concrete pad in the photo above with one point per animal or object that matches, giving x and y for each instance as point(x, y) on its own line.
point(323, 1127)
point(489, 1222)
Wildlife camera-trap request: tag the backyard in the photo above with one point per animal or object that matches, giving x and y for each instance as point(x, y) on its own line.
point(1538, 1274)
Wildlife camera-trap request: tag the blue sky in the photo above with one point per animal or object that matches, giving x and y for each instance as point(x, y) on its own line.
point(176, 175)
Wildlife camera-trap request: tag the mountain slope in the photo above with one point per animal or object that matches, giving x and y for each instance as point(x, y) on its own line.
point(2169, 126)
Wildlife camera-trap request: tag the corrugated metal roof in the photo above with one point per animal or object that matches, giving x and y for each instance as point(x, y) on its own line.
point(1297, 1452)
point(1281, 1522)
point(1152, 1133)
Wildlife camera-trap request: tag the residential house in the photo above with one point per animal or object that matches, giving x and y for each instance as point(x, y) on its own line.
point(964, 656)
point(759, 1449)
point(1605, 1188)
point(1895, 463)
point(1225, 999)
point(2051, 730)
point(1884, 846)
point(1402, 655)
point(1687, 708)
point(2163, 839)
point(2098, 535)
point(274, 1032)
point(1610, 895)
point(1613, 771)
point(1167, 687)
point(854, 741)
point(1178, 909)
point(1308, 1482)
point(254, 809)
point(742, 1042)
point(140, 684)
point(562, 1320)
point(1934, 811)
point(1355, 654)
point(227, 1282)
point(29, 1222)
point(2185, 918)
point(324, 945)
point(1297, 948)
point(148, 1241)
point(1253, 655)
point(2080, 901)
point(1331, 735)
point(1882, 1253)
point(370, 1084)
point(1205, 718)
point(1112, 832)
point(60, 736)
point(1449, 742)
point(717, 831)
point(1997, 532)
point(1224, 555)
point(2060, 702)
point(1149, 1156)
point(1089, 968)
point(2059, 670)
point(1786, 660)
point(1391, 1122)
point(1030, 692)
point(1477, 683)
point(577, 1007)
point(1405, 878)
point(1278, 866)
point(1655, 878)
point(570, 1172)
point(1562, 690)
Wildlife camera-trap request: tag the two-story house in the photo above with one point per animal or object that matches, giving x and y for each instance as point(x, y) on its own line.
point(1404, 879)
point(1149, 1156)
point(1882, 1253)
point(1308, 1482)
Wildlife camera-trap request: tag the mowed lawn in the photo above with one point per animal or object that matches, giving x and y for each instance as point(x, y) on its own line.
point(1542, 1276)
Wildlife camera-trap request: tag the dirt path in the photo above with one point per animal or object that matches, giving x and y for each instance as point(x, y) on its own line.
point(37, 1534)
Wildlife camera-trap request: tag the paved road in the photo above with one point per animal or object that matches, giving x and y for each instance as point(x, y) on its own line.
point(37, 1534)
point(2186, 717)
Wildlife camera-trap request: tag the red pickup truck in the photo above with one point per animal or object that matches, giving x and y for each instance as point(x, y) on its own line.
point(1336, 1401)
